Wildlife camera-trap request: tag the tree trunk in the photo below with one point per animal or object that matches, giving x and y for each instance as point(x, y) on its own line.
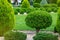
point(37, 31)
point(16, 2)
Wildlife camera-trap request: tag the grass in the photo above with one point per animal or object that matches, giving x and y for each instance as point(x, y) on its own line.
point(20, 23)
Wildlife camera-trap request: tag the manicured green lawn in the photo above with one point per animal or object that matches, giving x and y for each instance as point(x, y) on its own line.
point(20, 23)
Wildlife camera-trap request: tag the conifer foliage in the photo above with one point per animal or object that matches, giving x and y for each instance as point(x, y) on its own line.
point(6, 17)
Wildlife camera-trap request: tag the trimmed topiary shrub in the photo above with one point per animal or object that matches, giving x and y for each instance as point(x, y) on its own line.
point(25, 4)
point(15, 36)
point(51, 7)
point(6, 17)
point(45, 36)
point(38, 20)
point(36, 5)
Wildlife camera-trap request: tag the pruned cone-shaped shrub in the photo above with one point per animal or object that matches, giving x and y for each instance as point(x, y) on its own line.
point(6, 17)
point(38, 20)
point(25, 4)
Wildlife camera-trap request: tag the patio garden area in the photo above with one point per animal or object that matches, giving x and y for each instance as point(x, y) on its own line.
point(29, 19)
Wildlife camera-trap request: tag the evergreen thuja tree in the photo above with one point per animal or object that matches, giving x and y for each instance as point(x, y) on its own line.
point(25, 4)
point(9, 1)
point(58, 22)
point(6, 17)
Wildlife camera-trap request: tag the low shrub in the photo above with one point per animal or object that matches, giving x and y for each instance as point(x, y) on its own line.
point(45, 36)
point(27, 10)
point(51, 7)
point(36, 5)
point(22, 10)
point(37, 1)
point(15, 36)
point(42, 8)
point(15, 11)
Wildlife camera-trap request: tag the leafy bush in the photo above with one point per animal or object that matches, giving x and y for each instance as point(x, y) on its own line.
point(42, 8)
point(37, 1)
point(51, 7)
point(36, 5)
point(15, 36)
point(16, 10)
point(22, 10)
point(45, 36)
point(27, 10)
point(25, 4)
point(6, 17)
point(38, 19)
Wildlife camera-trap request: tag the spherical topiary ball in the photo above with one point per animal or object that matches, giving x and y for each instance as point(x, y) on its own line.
point(6, 17)
point(38, 19)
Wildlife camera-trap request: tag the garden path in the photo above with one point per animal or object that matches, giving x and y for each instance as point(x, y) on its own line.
point(30, 34)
